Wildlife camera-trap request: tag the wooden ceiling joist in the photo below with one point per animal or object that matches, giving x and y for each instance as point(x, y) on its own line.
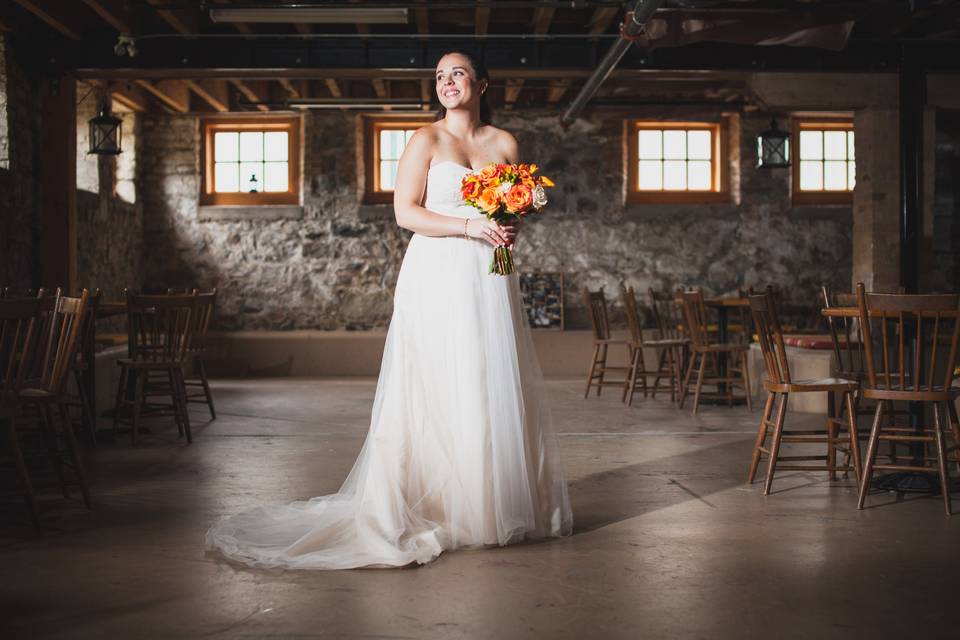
point(333, 87)
point(481, 19)
point(114, 13)
point(292, 90)
point(557, 89)
point(542, 17)
point(180, 20)
point(239, 26)
point(512, 91)
point(601, 19)
point(249, 94)
point(425, 94)
point(214, 93)
point(172, 93)
point(54, 14)
point(131, 97)
point(421, 17)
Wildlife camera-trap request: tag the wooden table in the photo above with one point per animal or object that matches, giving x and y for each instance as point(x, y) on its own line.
point(89, 377)
point(723, 306)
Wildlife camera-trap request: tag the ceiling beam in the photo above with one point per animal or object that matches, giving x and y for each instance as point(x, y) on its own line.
point(481, 19)
point(239, 26)
point(114, 13)
point(305, 29)
point(181, 20)
point(52, 14)
point(249, 94)
point(425, 94)
point(172, 93)
point(557, 89)
point(129, 96)
point(333, 87)
point(512, 91)
point(542, 17)
point(291, 89)
point(420, 15)
point(213, 92)
point(601, 19)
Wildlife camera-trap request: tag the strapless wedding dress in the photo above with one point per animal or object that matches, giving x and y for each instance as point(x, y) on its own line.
point(460, 451)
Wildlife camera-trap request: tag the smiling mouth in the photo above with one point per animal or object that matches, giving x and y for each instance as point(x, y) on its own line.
point(447, 94)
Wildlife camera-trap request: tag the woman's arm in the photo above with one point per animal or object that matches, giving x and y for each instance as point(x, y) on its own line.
point(408, 193)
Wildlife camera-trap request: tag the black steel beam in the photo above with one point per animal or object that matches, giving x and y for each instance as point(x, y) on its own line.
point(913, 93)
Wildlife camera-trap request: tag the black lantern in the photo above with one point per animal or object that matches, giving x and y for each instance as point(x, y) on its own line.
point(105, 133)
point(253, 183)
point(773, 148)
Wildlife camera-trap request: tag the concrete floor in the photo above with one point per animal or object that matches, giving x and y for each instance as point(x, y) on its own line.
point(668, 541)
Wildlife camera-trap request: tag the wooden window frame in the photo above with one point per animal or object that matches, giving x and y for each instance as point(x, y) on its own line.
point(211, 126)
point(815, 197)
point(372, 126)
point(720, 180)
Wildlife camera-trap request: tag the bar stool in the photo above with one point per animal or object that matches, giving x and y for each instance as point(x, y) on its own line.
point(597, 304)
point(666, 354)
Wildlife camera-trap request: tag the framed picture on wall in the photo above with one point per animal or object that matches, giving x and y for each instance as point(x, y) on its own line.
point(543, 299)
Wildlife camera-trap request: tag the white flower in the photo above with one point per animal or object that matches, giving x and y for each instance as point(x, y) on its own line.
point(539, 196)
point(504, 187)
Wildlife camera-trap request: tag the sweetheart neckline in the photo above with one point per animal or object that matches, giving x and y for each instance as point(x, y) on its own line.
point(462, 166)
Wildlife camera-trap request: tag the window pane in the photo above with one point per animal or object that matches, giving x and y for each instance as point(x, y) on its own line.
point(811, 176)
point(811, 145)
point(698, 145)
point(226, 177)
point(275, 176)
point(651, 175)
point(651, 145)
point(275, 146)
point(698, 175)
point(835, 145)
point(248, 170)
point(388, 174)
point(850, 145)
point(391, 144)
point(226, 146)
point(251, 146)
point(835, 175)
point(674, 175)
point(675, 145)
point(851, 175)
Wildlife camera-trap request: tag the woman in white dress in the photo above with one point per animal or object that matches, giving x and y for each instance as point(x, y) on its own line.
point(460, 451)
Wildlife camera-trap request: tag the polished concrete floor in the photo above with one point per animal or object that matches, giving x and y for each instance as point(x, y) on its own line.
point(668, 542)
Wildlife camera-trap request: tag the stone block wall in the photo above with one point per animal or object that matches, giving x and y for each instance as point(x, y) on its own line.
point(336, 265)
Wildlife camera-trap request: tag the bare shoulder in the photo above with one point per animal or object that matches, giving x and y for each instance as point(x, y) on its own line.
point(505, 143)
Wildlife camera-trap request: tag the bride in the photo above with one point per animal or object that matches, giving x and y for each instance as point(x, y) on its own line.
point(460, 451)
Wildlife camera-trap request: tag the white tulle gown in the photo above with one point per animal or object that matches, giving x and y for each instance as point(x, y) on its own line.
point(460, 451)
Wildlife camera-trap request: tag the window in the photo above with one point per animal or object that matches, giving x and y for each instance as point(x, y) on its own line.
point(384, 141)
point(675, 162)
point(824, 169)
point(251, 161)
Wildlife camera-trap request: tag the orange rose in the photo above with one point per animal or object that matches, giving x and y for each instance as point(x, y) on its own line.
point(518, 198)
point(470, 188)
point(489, 200)
point(490, 175)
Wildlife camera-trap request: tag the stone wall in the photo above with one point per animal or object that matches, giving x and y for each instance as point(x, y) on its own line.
point(335, 267)
point(18, 175)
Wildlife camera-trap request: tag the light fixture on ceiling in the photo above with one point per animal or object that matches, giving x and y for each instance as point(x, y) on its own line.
point(307, 14)
point(773, 148)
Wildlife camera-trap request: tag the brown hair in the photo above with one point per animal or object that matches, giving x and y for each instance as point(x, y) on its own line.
point(480, 70)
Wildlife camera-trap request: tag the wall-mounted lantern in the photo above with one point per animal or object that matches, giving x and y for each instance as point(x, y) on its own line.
point(105, 133)
point(773, 148)
point(253, 183)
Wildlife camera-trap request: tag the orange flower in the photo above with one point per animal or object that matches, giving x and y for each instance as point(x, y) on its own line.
point(489, 200)
point(519, 198)
point(470, 188)
point(545, 181)
point(490, 175)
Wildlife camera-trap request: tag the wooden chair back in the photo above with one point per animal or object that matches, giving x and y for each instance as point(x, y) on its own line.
point(597, 306)
point(694, 317)
point(206, 301)
point(629, 300)
point(160, 327)
point(902, 336)
point(667, 315)
point(62, 340)
point(766, 322)
point(845, 333)
point(19, 340)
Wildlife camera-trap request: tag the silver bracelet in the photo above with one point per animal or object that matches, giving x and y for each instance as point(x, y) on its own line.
point(466, 221)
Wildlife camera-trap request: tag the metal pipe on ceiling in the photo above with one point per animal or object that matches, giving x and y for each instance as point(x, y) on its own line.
point(632, 26)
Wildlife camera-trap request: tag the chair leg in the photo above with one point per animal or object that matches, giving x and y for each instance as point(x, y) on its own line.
point(180, 390)
point(53, 447)
point(775, 444)
point(746, 381)
point(176, 412)
point(686, 378)
point(86, 409)
point(121, 394)
point(854, 436)
point(661, 359)
point(138, 401)
point(832, 449)
point(699, 388)
point(24, 476)
point(74, 453)
point(630, 380)
point(941, 458)
point(202, 368)
point(955, 427)
point(593, 368)
point(761, 437)
point(603, 366)
point(865, 481)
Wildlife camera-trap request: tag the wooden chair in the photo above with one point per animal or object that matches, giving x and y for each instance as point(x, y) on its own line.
point(159, 331)
point(779, 385)
point(910, 345)
point(668, 319)
point(57, 358)
point(19, 341)
point(597, 304)
point(196, 377)
point(82, 366)
point(666, 353)
point(707, 353)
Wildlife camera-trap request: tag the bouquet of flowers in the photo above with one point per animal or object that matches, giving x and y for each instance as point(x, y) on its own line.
point(505, 193)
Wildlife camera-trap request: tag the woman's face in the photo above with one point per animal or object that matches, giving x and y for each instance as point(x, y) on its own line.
point(456, 82)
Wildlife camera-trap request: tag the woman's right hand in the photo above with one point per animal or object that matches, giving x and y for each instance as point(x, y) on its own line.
point(488, 230)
